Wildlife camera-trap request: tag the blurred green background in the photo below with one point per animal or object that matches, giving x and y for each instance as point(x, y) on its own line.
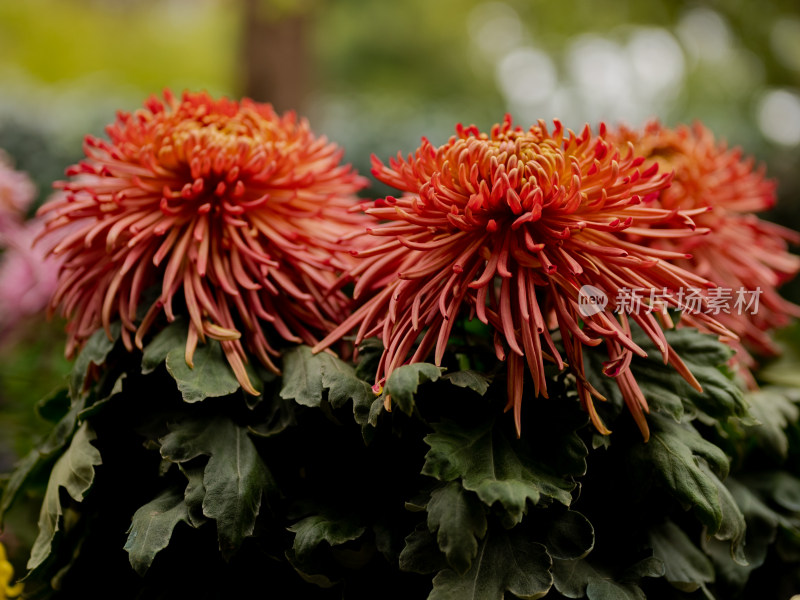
point(375, 76)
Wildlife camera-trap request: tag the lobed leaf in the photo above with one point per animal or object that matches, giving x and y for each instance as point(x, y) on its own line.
point(489, 465)
point(210, 377)
point(234, 479)
point(308, 379)
point(685, 565)
point(507, 561)
point(151, 528)
point(404, 381)
point(421, 553)
point(194, 494)
point(774, 411)
point(606, 589)
point(95, 352)
point(302, 377)
point(172, 337)
point(52, 445)
point(732, 526)
point(473, 380)
point(279, 415)
point(568, 535)
point(73, 471)
point(459, 521)
point(666, 390)
point(578, 578)
point(761, 527)
point(311, 531)
point(673, 455)
point(342, 384)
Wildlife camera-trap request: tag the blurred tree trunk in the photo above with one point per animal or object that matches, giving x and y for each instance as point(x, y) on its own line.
point(276, 52)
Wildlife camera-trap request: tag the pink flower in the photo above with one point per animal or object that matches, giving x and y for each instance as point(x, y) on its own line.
point(27, 277)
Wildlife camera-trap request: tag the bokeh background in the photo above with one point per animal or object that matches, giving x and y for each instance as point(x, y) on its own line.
point(375, 76)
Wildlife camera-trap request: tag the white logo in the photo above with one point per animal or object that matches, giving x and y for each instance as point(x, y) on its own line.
point(591, 300)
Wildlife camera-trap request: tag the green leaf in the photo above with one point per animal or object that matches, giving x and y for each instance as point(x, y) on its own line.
point(665, 389)
point(568, 535)
point(673, 455)
point(458, 520)
point(279, 415)
point(151, 528)
point(774, 411)
point(235, 477)
point(780, 487)
point(312, 531)
point(578, 578)
point(73, 471)
point(570, 577)
point(98, 405)
point(706, 357)
point(732, 526)
point(404, 381)
point(302, 377)
point(343, 385)
point(375, 410)
point(308, 379)
point(506, 562)
point(473, 380)
point(172, 337)
point(55, 406)
point(421, 552)
point(36, 458)
point(685, 565)
point(369, 355)
point(211, 376)
point(94, 352)
point(606, 589)
point(762, 523)
point(194, 494)
point(490, 465)
point(310, 571)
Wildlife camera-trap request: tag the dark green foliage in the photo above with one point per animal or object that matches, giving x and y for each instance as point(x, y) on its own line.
point(172, 482)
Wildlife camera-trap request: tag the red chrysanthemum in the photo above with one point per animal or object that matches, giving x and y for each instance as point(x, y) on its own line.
point(226, 206)
point(511, 225)
point(741, 251)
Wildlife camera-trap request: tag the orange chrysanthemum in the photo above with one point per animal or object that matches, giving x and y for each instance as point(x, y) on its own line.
point(741, 251)
point(511, 225)
point(226, 206)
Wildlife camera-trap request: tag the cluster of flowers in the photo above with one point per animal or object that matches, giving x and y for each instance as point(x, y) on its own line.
point(249, 223)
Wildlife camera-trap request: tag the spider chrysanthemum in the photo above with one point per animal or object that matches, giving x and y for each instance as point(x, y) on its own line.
point(741, 251)
point(231, 211)
point(509, 227)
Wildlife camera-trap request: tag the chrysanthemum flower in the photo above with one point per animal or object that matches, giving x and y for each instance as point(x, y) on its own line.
point(227, 207)
point(510, 226)
point(741, 251)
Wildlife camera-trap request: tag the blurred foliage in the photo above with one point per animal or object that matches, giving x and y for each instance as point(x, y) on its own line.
point(31, 367)
point(148, 43)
